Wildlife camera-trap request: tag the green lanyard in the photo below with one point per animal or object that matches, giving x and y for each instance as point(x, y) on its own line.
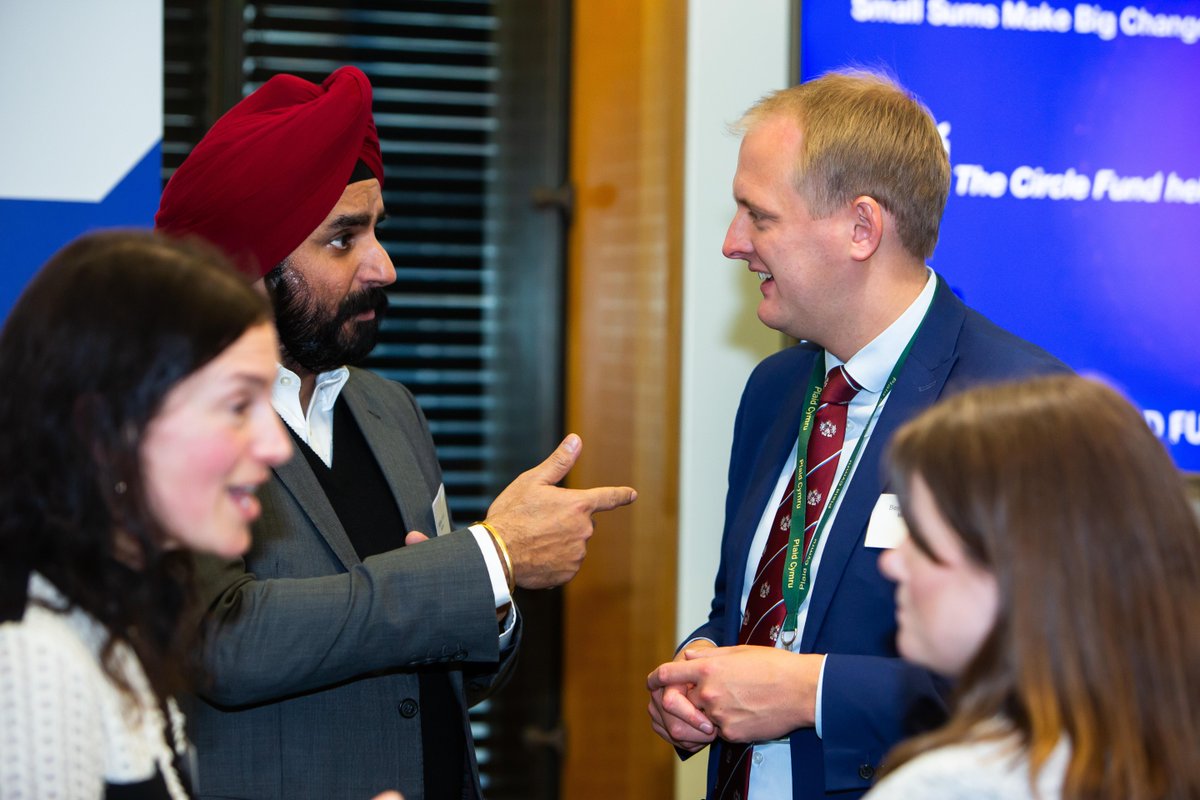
point(797, 571)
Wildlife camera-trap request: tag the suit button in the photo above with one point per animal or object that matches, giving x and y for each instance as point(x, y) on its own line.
point(408, 709)
point(866, 772)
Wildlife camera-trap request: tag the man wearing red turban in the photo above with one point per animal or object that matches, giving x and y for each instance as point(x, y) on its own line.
point(341, 652)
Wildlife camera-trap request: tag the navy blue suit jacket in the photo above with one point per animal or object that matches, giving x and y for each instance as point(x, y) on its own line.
point(870, 698)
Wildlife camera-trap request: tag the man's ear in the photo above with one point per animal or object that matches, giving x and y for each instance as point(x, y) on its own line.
point(868, 227)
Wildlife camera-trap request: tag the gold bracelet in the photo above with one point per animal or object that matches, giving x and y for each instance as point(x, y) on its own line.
point(508, 567)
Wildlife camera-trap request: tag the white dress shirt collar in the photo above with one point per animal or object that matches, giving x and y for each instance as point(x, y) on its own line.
point(871, 366)
point(314, 426)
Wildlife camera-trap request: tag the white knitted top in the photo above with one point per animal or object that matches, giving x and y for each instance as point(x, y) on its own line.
point(66, 731)
point(988, 770)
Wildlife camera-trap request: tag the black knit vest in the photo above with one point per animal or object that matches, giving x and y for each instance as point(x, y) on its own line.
point(364, 504)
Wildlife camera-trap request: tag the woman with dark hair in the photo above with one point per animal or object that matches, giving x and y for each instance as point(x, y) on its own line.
point(1053, 566)
point(135, 423)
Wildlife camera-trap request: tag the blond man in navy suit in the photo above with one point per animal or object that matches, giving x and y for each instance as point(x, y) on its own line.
point(840, 188)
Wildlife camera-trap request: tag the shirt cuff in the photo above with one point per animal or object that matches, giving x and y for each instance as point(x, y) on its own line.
point(494, 567)
point(510, 625)
point(820, 689)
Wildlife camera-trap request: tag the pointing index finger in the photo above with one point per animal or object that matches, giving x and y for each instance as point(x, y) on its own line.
point(606, 498)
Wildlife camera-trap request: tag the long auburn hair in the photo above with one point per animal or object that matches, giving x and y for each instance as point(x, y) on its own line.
point(1057, 486)
point(96, 341)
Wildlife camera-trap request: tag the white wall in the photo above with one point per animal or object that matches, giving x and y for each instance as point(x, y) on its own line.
point(81, 115)
point(81, 96)
point(737, 52)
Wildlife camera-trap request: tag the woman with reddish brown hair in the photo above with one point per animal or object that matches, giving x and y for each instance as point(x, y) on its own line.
point(1053, 567)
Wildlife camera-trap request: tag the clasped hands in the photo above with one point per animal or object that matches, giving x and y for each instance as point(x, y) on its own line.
point(746, 693)
point(546, 527)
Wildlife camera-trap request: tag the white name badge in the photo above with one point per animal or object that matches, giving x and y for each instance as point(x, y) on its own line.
point(441, 514)
point(886, 528)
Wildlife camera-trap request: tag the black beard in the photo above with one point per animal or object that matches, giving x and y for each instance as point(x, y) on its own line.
point(315, 338)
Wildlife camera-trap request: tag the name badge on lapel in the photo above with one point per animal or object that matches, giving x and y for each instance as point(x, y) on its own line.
point(886, 528)
point(441, 514)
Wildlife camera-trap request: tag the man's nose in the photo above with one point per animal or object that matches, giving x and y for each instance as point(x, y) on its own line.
point(376, 269)
point(737, 244)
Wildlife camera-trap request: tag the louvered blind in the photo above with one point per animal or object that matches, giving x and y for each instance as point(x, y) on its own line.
point(431, 66)
point(186, 75)
point(467, 97)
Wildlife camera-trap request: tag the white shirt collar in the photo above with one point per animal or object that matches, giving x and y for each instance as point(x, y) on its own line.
point(871, 366)
point(314, 426)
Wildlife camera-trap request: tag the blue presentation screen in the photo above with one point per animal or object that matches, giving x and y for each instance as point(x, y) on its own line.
point(1074, 210)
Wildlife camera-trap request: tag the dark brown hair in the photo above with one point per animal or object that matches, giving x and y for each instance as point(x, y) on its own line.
point(1057, 486)
point(101, 334)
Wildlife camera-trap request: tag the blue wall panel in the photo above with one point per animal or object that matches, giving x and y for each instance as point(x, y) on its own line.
point(1074, 212)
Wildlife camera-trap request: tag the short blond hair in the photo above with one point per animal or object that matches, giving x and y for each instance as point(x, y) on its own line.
point(864, 134)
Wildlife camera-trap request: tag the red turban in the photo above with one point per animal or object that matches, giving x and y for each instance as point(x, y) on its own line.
point(272, 168)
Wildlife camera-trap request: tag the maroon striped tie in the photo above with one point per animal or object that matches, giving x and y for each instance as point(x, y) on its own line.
point(764, 607)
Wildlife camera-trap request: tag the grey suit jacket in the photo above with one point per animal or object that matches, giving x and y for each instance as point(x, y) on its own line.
point(313, 653)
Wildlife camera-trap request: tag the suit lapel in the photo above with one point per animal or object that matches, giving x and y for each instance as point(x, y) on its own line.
point(298, 478)
point(917, 387)
point(394, 454)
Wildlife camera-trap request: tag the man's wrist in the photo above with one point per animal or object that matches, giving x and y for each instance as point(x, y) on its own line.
point(502, 550)
point(492, 563)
